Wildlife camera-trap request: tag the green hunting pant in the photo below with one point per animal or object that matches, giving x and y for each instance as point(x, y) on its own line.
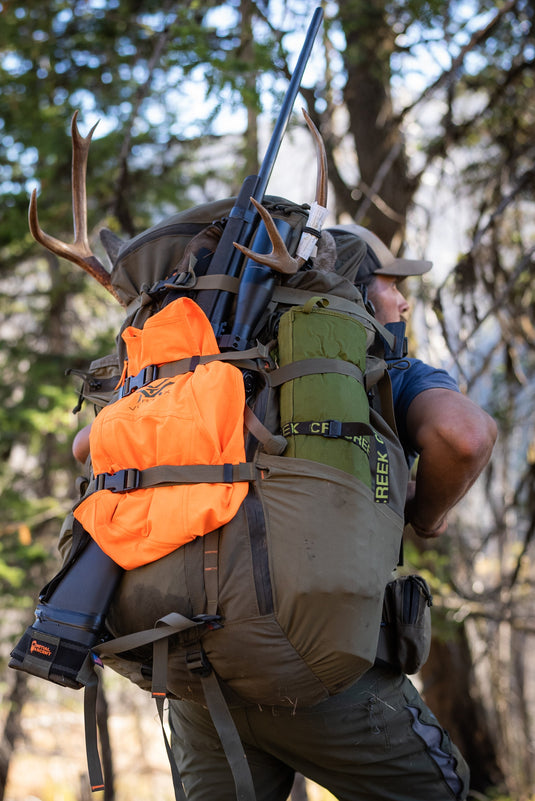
point(376, 741)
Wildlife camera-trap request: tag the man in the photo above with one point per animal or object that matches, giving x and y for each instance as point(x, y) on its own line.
point(430, 419)
point(377, 741)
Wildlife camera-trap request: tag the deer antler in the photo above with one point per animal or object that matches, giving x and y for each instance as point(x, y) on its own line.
point(321, 160)
point(279, 259)
point(79, 253)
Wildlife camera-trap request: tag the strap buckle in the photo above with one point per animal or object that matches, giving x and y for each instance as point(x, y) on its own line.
point(145, 376)
point(333, 430)
point(197, 662)
point(212, 622)
point(121, 481)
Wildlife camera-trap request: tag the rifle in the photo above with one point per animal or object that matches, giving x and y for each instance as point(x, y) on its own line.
point(243, 217)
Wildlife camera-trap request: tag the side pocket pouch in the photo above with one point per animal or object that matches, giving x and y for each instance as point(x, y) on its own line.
point(405, 634)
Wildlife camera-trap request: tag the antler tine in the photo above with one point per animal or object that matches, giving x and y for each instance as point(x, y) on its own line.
point(279, 259)
point(80, 252)
point(321, 157)
point(80, 153)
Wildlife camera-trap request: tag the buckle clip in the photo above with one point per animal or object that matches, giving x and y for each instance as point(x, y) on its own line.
point(197, 662)
point(334, 430)
point(145, 376)
point(212, 622)
point(121, 481)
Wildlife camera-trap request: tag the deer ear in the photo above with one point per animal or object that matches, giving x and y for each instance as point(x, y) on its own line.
point(325, 257)
point(111, 243)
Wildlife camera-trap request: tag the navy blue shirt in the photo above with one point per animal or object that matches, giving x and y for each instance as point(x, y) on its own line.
point(410, 377)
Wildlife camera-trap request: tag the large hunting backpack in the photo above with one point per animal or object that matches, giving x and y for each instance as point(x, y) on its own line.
point(257, 528)
point(242, 508)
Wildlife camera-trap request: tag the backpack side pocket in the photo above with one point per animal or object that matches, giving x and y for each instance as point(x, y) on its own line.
point(405, 635)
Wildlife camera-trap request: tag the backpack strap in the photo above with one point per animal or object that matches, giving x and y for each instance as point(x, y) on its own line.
point(332, 429)
point(158, 636)
point(191, 282)
point(165, 475)
point(199, 665)
point(311, 367)
point(224, 724)
point(153, 372)
point(274, 444)
point(211, 571)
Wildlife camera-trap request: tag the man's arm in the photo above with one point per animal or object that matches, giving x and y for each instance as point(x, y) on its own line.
point(80, 444)
point(454, 438)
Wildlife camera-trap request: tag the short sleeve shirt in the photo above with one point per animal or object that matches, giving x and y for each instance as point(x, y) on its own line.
point(410, 377)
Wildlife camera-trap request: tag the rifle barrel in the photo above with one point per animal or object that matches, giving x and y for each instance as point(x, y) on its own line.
point(243, 217)
point(273, 147)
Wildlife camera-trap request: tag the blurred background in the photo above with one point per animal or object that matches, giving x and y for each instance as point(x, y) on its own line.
point(427, 110)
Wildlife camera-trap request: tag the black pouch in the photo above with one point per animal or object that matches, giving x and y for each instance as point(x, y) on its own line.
point(405, 634)
point(70, 616)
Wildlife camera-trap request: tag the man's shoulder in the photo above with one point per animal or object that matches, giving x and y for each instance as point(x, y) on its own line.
point(411, 376)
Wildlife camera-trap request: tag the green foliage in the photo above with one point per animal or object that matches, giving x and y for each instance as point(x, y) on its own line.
point(434, 565)
point(136, 68)
point(167, 82)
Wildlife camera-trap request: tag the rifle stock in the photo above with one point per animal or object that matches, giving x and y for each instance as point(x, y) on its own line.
point(243, 217)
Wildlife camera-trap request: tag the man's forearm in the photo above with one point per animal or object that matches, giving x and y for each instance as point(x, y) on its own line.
point(455, 440)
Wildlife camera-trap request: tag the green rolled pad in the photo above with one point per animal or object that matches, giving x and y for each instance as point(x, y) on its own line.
point(310, 332)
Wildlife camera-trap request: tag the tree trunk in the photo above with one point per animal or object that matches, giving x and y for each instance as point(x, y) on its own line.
point(386, 190)
point(448, 682)
point(12, 729)
point(249, 92)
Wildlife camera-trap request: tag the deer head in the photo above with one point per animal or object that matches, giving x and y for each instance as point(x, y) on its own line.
point(79, 252)
point(279, 259)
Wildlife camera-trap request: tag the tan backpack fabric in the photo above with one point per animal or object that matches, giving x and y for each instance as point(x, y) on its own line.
point(282, 603)
point(288, 595)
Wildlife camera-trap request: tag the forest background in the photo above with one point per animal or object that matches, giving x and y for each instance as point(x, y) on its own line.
point(427, 110)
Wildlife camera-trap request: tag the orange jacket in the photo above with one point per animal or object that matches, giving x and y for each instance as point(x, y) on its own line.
point(190, 419)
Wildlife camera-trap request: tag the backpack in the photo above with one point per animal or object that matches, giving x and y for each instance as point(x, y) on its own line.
point(271, 592)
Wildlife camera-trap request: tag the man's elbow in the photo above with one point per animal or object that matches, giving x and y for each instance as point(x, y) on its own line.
point(473, 440)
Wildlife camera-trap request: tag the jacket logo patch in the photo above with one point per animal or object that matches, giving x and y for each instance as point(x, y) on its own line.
point(151, 391)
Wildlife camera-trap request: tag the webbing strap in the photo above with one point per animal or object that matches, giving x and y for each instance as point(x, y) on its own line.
point(175, 774)
point(312, 367)
point(153, 372)
point(211, 571)
point(228, 734)
point(384, 387)
point(380, 469)
point(166, 475)
point(331, 429)
point(375, 370)
point(172, 623)
point(96, 779)
point(274, 444)
point(165, 627)
point(227, 283)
